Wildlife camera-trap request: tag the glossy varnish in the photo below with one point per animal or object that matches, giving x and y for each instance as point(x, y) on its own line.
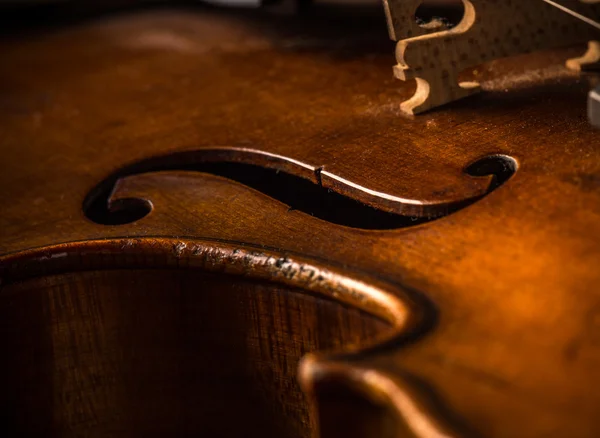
point(187, 312)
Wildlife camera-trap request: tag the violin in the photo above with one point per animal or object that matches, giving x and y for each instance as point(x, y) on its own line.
point(224, 224)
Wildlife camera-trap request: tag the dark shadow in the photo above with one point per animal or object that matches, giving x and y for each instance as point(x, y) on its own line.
point(340, 29)
point(27, 403)
point(163, 353)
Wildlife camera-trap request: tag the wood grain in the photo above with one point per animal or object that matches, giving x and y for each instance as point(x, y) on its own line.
point(162, 352)
point(493, 308)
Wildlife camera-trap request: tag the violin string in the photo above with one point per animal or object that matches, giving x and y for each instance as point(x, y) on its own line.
point(574, 13)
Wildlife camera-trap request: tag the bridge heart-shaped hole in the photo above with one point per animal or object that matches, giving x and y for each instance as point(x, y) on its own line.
point(439, 14)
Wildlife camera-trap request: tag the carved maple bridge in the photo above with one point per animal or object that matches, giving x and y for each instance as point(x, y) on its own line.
point(223, 225)
point(435, 55)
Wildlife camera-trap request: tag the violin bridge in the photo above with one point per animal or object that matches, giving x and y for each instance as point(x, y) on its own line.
point(434, 54)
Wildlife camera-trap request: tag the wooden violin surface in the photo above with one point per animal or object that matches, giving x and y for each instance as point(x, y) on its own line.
point(222, 225)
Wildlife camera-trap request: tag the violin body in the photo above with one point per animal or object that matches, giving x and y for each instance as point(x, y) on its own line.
point(215, 225)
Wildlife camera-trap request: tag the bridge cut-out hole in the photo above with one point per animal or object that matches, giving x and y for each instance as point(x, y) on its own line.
point(296, 192)
point(439, 14)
